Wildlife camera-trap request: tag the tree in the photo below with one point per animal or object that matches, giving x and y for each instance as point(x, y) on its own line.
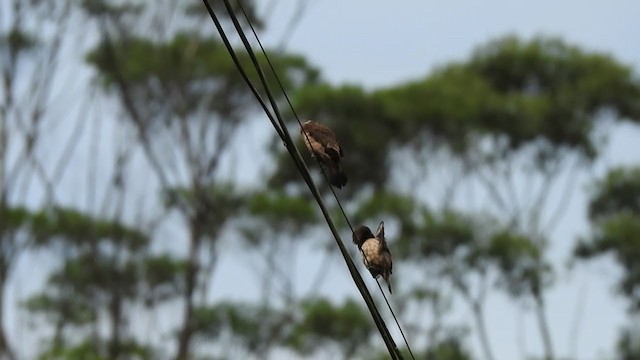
point(322, 323)
point(629, 343)
point(27, 77)
point(515, 110)
point(191, 100)
point(614, 212)
point(106, 270)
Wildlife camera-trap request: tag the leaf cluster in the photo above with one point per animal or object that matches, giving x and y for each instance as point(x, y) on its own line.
point(614, 211)
point(543, 97)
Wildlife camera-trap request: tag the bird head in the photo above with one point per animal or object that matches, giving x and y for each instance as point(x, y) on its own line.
point(360, 234)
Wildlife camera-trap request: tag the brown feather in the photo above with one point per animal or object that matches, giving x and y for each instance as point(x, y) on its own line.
point(322, 143)
point(375, 252)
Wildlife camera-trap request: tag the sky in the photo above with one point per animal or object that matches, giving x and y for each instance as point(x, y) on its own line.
point(379, 44)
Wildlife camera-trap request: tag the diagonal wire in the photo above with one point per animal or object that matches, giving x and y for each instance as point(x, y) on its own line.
point(382, 327)
point(320, 164)
point(273, 70)
point(283, 132)
point(295, 114)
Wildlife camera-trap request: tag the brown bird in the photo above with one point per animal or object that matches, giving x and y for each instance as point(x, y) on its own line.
point(375, 252)
point(322, 144)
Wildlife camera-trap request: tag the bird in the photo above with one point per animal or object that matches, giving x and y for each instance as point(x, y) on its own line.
point(375, 252)
point(324, 146)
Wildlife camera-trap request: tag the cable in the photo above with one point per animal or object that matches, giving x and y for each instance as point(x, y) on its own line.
point(296, 157)
point(320, 164)
point(295, 114)
point(395, 319)
point(393, 351)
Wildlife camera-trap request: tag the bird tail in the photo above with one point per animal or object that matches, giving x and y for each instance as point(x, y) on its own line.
point(337, 177)
point(387, 279)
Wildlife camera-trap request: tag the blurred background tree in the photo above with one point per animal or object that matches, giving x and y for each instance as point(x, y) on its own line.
point(471, 166)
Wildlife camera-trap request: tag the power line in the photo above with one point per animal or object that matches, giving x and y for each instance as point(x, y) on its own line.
point(283, 132)
point(284, 92)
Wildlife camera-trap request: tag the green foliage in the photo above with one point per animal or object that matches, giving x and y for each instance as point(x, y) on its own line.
point(82, 230)
point(461, 245)
point(586, 81)
point(277, 206)
point(92, 350)
point(181, 91)
point(519, 260)
point(629, 344)
point(618, 191)
point(93, 275)
point(87, 350)
point(620, 236)
point(442, 109)
point(13, 218)
point(440, 235)
point(108, 8)
point(162, 278)
point(614, 210)
point(207, 207)
point(188, 72)
point(219, 195)
point(348, 326)
point(250, 325)
point(16, 41)
point(278, 212)
point(557, 90)
point(542, 98)
point(449, 348)
point(62, 307)
point(81, 287)
point(105, 269)
point(386, 203)
point(196, 8)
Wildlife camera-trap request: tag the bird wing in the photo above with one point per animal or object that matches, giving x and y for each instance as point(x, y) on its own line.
point(324, 136)
point(380, 236)
point(376, 258)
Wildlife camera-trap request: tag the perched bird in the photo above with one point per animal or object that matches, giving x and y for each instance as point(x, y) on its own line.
point(322, 144)
point(375, 252)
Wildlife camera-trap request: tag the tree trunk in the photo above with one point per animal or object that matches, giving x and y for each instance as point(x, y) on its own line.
point(115, 310)
point(544, 327)
point(3, 157)
point(5, 350)
point(478, 316)
point(190, 283)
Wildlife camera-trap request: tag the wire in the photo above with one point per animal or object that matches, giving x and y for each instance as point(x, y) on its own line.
point(395, 319)
point(319, 163)
point(295, 114)
point(284, 92)
point(305, 172)
point(297, 158)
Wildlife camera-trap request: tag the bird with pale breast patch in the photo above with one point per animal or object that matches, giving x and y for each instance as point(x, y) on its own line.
point(375, 252)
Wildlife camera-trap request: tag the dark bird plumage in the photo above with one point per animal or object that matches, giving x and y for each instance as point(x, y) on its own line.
point(322, 143)
point(375, 252)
